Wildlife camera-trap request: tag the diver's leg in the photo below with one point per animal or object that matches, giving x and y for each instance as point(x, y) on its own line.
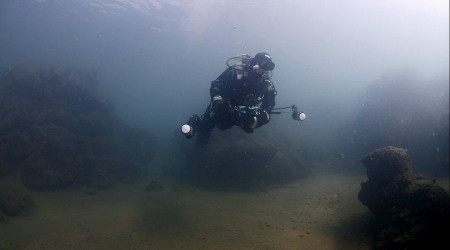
point(222, 115)
point(204, 131)
point(204, 127)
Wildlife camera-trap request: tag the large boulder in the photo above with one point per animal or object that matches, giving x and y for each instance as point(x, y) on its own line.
point(411, 211)
point(57, 131)
point(236, 160)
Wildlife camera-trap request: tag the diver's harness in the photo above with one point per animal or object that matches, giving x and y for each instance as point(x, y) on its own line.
point(240, 63)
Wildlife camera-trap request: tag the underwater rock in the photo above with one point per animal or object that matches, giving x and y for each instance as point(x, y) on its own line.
point(153, 187)
point(57, 131)
point(236, 160)
point(411, 211)
point(404, 109)
point(14, 199)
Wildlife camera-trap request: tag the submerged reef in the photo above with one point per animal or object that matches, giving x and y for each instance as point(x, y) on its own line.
point(56, 131)
point(239, 161)
point(411, 212)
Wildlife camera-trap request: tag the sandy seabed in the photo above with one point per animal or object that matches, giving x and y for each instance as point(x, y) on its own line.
point(321, 212)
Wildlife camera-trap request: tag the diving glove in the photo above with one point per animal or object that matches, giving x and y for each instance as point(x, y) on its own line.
point(216, 101)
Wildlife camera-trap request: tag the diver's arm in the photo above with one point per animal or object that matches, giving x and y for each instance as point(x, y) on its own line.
point(267, 105)
point(268, 101)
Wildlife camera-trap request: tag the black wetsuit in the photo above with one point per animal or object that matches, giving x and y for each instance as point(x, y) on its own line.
point(237, 88)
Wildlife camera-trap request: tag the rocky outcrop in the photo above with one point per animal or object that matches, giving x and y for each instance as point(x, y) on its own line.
point(56, 131)
point(411, 211)
point(240, 161)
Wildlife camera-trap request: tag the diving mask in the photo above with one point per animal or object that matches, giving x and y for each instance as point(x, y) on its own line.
point(265, 74)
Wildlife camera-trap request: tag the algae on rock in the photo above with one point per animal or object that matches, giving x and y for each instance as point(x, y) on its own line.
point(411, 212)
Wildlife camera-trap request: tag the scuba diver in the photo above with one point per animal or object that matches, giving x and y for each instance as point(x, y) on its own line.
point(242, 95)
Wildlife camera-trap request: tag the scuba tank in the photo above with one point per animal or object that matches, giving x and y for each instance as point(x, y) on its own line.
point(240, 63)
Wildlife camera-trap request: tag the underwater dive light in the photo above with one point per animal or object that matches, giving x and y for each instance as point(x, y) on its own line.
point(187, 130)
point(296, 115)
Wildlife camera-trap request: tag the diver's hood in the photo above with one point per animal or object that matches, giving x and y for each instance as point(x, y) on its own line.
point(264, 61)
